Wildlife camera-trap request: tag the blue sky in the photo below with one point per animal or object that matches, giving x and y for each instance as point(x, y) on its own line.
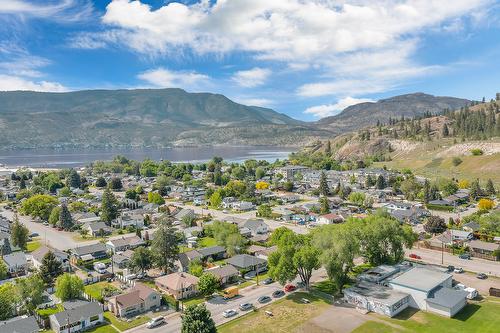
point(308, 59)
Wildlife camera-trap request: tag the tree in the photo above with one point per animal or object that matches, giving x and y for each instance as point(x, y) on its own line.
point(5, 248)
point(227, 235)
point(50, 269)
point(380, 183)
point(196, 318)
point(208, 284)
point(39, 205)
point(4, 271)
point(485, 204)
point(115, 183)
point(216, 199)
point(262, 185)
point(448, 186)
point(435, 225)
point(164, 245)
point(369, 182)
point(456, 161)
point(54, 215)
point(131, 194)
point(19, 234)
point(288, 186)
point(22, 184)
point(141, 259)
point(195, 268)
point(324, 205)
point(463, 184)
point(328, 149)
point(74, 179)
point(109, 207)
point(260, 173)
point(8, 300)
point(475, 190)
point(100, 182)
point(294, 256)
point(357, 198)
point(30, 291)
point(156, 198)
point(264, 211)
point(323, 185)
point(446, 131)
point(65, 219)
point(410, 188)
point(68, 287)
point(490, 188)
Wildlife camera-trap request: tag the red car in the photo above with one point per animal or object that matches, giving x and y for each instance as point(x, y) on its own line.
point(415, 256)
point(290, 287)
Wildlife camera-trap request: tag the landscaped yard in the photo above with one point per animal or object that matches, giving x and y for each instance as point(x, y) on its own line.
point(96, 289)
point(481, 317)
point(49, 311)
point(33, 245)
point(193, 300)
point(206, 242)
point(103, 329)
point(123, 325)
point(289, 314)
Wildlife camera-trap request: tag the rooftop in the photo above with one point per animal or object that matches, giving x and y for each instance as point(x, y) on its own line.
point(376, 292)
point(420, 278)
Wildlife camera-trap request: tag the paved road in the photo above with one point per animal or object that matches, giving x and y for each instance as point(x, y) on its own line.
point(473, 265)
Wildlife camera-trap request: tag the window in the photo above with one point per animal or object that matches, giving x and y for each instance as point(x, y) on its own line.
point(94, 318)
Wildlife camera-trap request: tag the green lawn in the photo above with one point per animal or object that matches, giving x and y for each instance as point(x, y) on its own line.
point(326, 286)
point(206, 242)
point(480, 317)
point(95, 290)
point(288, 314)
point(49, 311)
point(33, 245)
point(103, 329)
point(193, 300)
point(123, 325)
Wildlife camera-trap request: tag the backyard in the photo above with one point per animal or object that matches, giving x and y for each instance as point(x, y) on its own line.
point(124, 325)
point(100, 289)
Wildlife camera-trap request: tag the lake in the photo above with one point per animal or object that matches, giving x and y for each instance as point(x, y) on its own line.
point(68, 158)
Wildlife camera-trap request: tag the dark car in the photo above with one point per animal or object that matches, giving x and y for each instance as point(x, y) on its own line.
point(246, 306)
point(451, 268)
point(278, 293)
point(267, 281)
point(482, 276)
point(465, 256)
point(264, 299)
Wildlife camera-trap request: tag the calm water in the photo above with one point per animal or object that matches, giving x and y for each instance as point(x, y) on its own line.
point(48, 158)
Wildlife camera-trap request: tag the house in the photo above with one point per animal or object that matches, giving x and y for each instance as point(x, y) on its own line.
point(96, 229)
point(246, 262)
point(184, 213)
point(289, 198)
point(471, 226)
point(460, 235)
point(16, 263)
point(242, 205)
point(124, 243)
point(186, 258)
point(265, 253)
point(77, 316)
point(393, 205)
point(178, 285)
point(256, 226)
point(330, 219)
point(441, 202)
point(289, 171)
point(216, 252)
point(121, 260)
point(38, 254)
point(480, 249)
point(430, 290)
point(89, 252)
point(411, 216)
point(4, 225)
point(227, 202)
point(138, 300)
point(21, 324)
point(83, 218)
point(129, 220)
point(226, 273)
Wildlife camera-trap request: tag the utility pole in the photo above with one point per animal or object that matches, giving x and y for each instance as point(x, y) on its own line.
point(442, 253)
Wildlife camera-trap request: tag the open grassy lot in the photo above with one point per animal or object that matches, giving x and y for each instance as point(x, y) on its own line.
point(481, 317)
point(123, 325)
point(289, 314)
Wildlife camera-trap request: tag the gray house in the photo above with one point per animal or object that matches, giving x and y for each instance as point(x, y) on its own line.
point(78, 316)
point(20, 324)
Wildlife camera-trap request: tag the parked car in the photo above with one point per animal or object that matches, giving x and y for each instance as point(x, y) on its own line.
point(305, 301)
point(464, 256)
point(229, 313)
point(278, 293)
point(458, 270)
point(246, 306)
point(482, 276)
point(290, 288)
point(155, 322)
point(415, 256)
point(264, 299)
point(267, 281)
point(451, 268)
point(34, 234)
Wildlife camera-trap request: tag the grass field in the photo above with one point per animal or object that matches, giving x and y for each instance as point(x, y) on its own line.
point(123, 325)
point(289, 315)
point(483, 317)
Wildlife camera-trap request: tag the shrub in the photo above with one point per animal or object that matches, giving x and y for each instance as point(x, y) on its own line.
point(476, 152)
point(456, 161)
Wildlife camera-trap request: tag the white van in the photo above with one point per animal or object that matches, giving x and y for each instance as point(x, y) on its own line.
point(471, 292)
point(155, 322)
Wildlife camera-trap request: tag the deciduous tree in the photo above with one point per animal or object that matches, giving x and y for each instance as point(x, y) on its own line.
point(68, 287)
point(196, 318)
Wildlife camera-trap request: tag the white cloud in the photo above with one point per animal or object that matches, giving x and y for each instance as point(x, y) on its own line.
point(349, 47)
point(9, 83)
point(164, 78)
point(59, 10)
point(251, 78)
point(326, 110)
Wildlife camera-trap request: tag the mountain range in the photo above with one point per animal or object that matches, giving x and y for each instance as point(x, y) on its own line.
point(174, 117)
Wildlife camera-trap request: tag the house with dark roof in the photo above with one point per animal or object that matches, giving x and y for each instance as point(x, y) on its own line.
point(246, 262)
point(216, 252)
point(21, 324)
point(186, 258)
point(98, 228)
point(139, 299)
point(16, 263)
point(77, 316)
point(89, 252)
point(471, 226)
point(485, 250)
point(226, 273)
point(38, 254)
point(124, 243)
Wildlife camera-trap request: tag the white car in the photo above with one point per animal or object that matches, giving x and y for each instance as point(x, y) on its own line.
point(458, 270)
point(229, 313)
point(155, 322)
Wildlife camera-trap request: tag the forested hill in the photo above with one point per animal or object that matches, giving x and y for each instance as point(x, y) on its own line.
point(142, 118)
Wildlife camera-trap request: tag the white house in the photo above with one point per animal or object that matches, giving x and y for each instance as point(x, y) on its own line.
point(78, 316)
point(129, 220)
point(242, 205)
point(256, 226)
point(330, 219)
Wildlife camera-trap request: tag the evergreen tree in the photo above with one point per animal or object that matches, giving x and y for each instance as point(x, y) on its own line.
point(100, 182)
point(490, 188)
point(427, 191)
point(475, 190)
point(22, 184)
point(328, 148)
point(50, 269)
point(109, 207)
point(19, 234)
point(164, 246)
point(323, 185)
point(197, 319)
point(369, 181)
point(5, 247)
point(74, 179)
point(446, 131)
point(381, 184)
point(65, 219)
point(325, 205)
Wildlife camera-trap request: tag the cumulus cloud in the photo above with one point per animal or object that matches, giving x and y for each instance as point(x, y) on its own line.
point(251, 78)
point(10, 83)
point(326, 110)
point(165, 78)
